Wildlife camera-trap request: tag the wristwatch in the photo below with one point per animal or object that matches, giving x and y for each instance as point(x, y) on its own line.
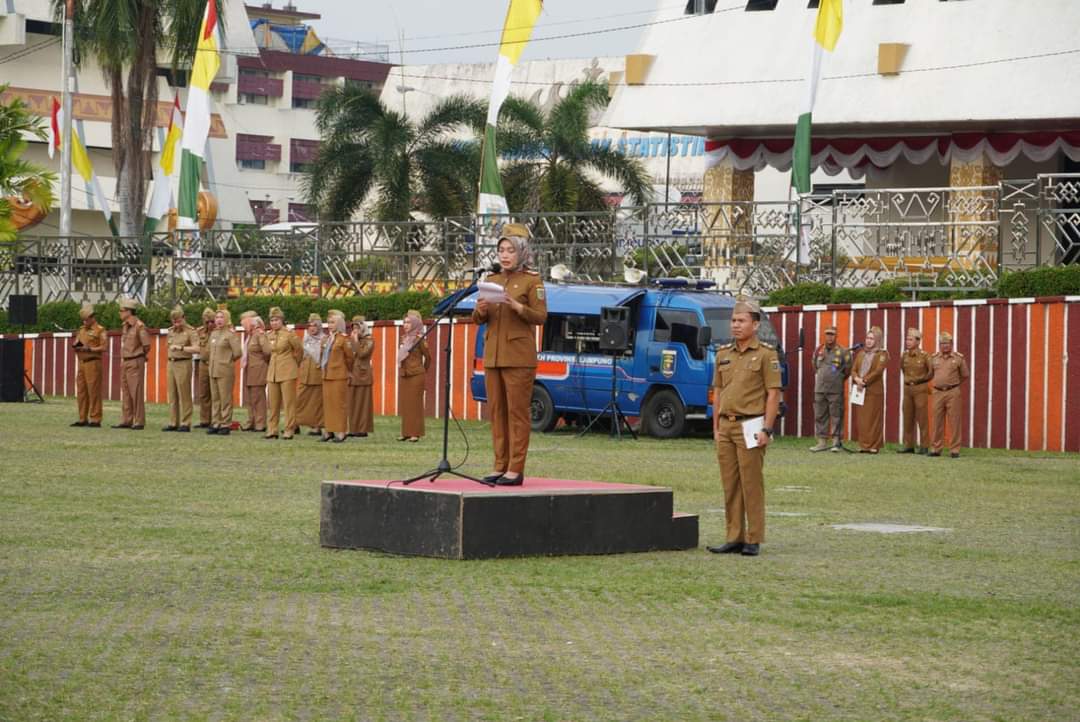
point(768, 432)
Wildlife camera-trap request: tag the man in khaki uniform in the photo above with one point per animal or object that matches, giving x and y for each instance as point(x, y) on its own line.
point(510, 353)
point(90, 342)
point(833, 365)
point(950, 370)
point(254, 362)
point(182, 343)
point(747, 386)
point(281, 372)
point(224, 351)
point(917, 369)
point(202, 370)
point(134, 348)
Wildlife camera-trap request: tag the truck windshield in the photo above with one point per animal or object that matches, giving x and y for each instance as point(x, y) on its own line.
point(719, 320)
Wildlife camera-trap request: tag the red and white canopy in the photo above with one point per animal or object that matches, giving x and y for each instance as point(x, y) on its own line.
point(859, 155)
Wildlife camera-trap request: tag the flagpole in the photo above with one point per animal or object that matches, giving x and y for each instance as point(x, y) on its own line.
point(65, 130)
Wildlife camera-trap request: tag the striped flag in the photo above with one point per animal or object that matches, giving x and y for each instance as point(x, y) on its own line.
point(197, 122)
point(830, 21)
point(80, 160)
point(161, 201)
point(520, 18)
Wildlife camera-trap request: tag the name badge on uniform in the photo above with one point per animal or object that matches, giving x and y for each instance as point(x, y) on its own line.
point(540, 292)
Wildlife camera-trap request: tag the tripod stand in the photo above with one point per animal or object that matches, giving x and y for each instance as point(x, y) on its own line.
point(618, 418)
point(443, 467)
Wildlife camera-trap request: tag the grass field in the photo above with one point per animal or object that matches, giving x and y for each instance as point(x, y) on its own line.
point(165, 576)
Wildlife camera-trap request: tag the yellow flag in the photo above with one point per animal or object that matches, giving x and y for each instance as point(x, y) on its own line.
point(520, 19)
point(830, 21)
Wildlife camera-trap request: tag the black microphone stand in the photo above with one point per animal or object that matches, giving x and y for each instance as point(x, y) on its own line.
point(443, 466)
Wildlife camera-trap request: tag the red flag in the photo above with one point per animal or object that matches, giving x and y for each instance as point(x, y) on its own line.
point(54, 128)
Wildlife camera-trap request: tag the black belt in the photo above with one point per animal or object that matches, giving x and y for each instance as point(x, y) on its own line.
point(738, 417)
point(945, 388)
point(134, 358)
point(188, 358)
point(914, 383)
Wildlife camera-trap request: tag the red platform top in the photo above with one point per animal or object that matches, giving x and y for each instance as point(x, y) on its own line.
point(532, 485)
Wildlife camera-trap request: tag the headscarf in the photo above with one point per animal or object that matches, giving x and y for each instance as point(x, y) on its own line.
point(411, 331)
point(521, 245)
point(313, 343)
point(336, 322)
point(868, 358)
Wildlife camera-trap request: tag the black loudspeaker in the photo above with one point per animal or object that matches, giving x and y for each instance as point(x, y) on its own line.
point(22, 310)
point(11, 370)
point(614, 328)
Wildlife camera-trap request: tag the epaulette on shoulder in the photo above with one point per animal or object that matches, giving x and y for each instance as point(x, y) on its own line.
point(532, 273)
point(730, 344)
point(957, 353)
point(767, 345)
point(935, 354)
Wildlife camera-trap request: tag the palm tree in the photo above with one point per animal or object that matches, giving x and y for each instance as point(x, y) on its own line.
point(404, 165)
point(20, 181)
point(125, 37)
point(554, 166)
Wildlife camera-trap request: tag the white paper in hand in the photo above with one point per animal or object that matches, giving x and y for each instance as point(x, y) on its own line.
point(490, 292)
point(750, 428)
point(858, 395)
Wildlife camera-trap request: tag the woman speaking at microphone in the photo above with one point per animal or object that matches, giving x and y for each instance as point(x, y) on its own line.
point(510, 353)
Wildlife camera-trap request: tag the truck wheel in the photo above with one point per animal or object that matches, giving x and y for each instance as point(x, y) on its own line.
point(542, 410)
point(665, 415)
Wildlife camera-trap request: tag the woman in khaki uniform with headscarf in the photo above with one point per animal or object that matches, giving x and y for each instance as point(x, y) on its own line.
point(866, 371)
point(281, 372)
point(337, 361)
point(361, 416)
point(224, 351)
point(309, 407)
point(413, 361)
point(510, 353)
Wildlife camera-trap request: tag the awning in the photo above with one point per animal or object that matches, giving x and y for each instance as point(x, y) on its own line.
point(858, 155)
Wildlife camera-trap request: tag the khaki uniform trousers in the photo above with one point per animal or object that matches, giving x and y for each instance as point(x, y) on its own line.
point(255, 403)
point(744, 484)
point(282, 396)
point(916, 414)
point(180, 392)
point(948, 406)
point(132, 398)
point(361, 415)
point(829, 407)
point(88, 390)
point(509, 392)
point(202, 391)
point(221, 400)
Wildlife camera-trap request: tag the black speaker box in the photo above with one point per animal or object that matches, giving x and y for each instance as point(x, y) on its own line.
point(11, 370)
point(22, 310)
point(614, 328)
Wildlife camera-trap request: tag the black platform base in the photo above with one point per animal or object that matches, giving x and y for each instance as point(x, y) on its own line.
point(457, 519)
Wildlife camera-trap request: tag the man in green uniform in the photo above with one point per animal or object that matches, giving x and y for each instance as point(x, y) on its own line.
point(832, 363)
point(747, 387)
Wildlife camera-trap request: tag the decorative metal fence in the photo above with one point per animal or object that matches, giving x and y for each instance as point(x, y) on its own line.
point(924, 238)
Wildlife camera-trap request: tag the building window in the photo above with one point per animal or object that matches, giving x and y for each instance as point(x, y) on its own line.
point(254, 73)
point(300, 167)
point(757, 5)
point(249, 99)
point(253, 164)
point(888, 2)
point(307, 78)
point(353, 83)
point(303, 103)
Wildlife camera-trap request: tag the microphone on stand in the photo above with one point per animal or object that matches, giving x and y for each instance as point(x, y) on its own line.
point(493, 267)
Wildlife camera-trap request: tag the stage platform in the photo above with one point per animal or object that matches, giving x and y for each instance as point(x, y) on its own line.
point(459, 519)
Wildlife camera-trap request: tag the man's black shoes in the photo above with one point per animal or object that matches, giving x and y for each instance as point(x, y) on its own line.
point(728, 548)
point(750, 550)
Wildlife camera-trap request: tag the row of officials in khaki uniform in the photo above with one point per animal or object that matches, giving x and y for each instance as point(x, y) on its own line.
point(942, 372)
point(323, 381)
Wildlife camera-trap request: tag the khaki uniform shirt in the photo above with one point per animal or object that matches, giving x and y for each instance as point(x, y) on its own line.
point(417, 361)
point(258, 357)
point(916, 366)
point(742, 378)
point(361, 368)
point(134, 341)
point(91, 342)
point(204, 343)
point(224, 350)
point(178, 338)
point(877, 365)
point(285, 352)
point(833, 365)
point(949, 369)
point(509, 338)
point(339, 363)
point(310, 372)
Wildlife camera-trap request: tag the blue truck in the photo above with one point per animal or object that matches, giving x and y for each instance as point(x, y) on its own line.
point(665, 375)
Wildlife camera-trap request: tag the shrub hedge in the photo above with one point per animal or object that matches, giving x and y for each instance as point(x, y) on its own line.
point(65, 314)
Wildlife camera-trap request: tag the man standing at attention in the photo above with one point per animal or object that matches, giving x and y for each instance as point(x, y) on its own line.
point(202, 369)
point(182, 343)
point(832, 363)
point(746, 386)
point(950, 370)
point(134, 347)
point(89, 344)
point(917, 371)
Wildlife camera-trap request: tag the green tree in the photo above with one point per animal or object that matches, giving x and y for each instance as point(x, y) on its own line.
point(126, 39)
point(405, 165)
point(554, 166)
point(19, 178)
